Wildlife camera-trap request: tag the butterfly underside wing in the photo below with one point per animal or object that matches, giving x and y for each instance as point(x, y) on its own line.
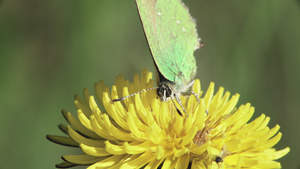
point(172, 38)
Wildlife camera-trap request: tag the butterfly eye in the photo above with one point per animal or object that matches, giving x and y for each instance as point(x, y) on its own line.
point(164, 91)
point(159, 92)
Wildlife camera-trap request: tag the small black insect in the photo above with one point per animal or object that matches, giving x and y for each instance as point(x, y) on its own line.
point(219, 159)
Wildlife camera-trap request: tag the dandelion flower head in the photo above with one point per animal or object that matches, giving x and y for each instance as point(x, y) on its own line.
point(144, 132)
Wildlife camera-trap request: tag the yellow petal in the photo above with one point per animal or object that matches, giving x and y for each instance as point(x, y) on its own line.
point(139, 161)
point(94, 151)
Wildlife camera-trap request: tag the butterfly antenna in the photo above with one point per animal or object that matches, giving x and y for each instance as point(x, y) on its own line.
point(123, 98)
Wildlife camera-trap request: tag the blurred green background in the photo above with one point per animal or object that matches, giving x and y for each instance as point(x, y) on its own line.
point(51, 50)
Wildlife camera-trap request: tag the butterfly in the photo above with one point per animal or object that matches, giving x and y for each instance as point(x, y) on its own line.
point(172, 39)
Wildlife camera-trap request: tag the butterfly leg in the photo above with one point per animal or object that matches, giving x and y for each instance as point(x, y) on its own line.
point(178, 111)
point(179, 102)
point(188, 86)
point(191, 93)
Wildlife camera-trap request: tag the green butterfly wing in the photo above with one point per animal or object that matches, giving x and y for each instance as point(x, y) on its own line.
point(172, 37)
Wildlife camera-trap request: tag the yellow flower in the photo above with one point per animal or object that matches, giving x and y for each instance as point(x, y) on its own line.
point(144, 132)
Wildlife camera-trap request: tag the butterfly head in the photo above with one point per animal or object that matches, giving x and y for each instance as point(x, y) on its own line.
point(164, 90)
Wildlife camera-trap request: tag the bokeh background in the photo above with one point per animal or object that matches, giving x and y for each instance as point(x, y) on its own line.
point(51, 50)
